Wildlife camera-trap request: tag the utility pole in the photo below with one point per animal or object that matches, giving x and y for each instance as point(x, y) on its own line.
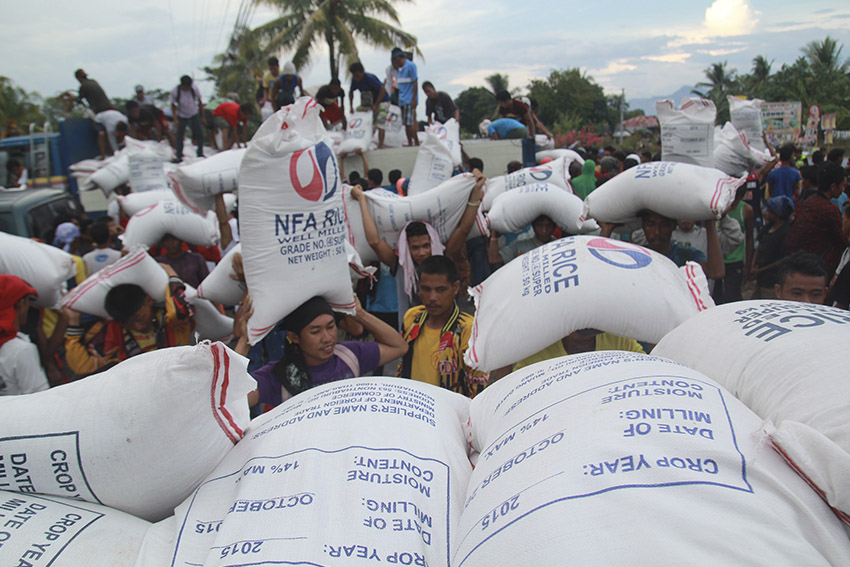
point(622, 111)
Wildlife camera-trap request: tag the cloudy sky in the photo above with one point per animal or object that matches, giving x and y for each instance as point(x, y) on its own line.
point(648, 48)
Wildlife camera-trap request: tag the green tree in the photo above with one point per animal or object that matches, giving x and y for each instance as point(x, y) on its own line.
point(569, 99)
point(237, 69)
point(498, 83)
point(475, 104)
point(19, 105)
point(759, 77)
point(719, 83)
point(338, 24)
point(825, 56)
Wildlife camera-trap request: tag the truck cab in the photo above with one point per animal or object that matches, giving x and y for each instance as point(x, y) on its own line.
point(33, 213)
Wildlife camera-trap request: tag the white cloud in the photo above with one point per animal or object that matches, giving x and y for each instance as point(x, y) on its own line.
point(724, 18)
point(720, 52)
point(678, 57)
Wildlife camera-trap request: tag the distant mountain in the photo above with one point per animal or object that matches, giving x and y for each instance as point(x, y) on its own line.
point(648, 104)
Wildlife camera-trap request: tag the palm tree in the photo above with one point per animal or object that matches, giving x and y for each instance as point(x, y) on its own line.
point(825, 56)
point(305, 24)
point(244, 60)
point(719, 84)
point(760, 75)
point(498, 82)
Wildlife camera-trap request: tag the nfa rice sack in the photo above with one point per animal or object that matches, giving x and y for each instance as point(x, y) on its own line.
point(745, 116)
point(441, 207)
point(146, 172)
point(615, 458)
point(116, 172)
point(580, 282)
point(448, 134)
point(150, 225)
point(687, 134)
point(44, 267)
point(138, 267)
point(139, 437)
point(48, 530)
point(514, 210)
point(291, 218)
point(221, 285)
point(433, 165)
point(733, 155)
point(358, 134)
point(132, 203)
point(675, 190)
point(210, 323)
point(197, 184)
point(555, 172)
point(786, 361)
point(570, 155)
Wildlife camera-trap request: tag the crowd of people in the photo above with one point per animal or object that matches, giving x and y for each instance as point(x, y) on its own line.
point(785, 236)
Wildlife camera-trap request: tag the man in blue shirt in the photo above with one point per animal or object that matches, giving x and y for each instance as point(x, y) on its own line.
point(402, 79)
point(785, 179)
point(370, 88)
point(506, 129)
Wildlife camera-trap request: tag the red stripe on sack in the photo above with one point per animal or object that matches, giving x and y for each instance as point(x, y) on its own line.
point(104, 274)
point(693, 287)
point(223, 399)
point(182, 196)
point(347, 223)
point(255, 331)
point(146, 210)
point(842, 515)
point(215, 385)
point(343, 305)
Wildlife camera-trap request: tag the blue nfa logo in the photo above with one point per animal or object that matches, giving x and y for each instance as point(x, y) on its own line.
point(619, 254)
point(540, 172)
point(319, 165)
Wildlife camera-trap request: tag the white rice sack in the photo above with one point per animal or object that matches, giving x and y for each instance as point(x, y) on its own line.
point(441, 207)
point(580, 282)
point(433, 165)
point(157, 547)
point(732, 154)
point(675, 190)
point(139, 437)
point(138, 267)
point(355, 471)
point(48, 530)
point(219, 286)
point(687, 134)
point(786, 362)
point(210, 323)
point(135, 202)
point(148, 226)
point(543, 142)
point(395, 135)
point(514, 210)
point(613, 458)
point(291, 218)
point(356, 269)
point(555, 172)
point(44, 267)
point(449, 134)
point(569, 155)
point(197, 184)
point(146, 173)
point(358, 134)
point(745, 115)
point(114, 173)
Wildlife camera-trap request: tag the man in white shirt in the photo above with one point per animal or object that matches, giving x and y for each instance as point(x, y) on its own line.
point(20, 367)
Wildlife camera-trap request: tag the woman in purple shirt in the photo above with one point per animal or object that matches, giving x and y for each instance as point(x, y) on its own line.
point(313, 356)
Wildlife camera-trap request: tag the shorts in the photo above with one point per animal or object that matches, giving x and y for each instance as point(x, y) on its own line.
point(379, 117)
point(221, 123)
point(407, 114)
point(517, 133)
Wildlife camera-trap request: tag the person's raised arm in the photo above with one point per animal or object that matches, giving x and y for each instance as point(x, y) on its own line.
point(390, 341)
point(223, 222)
point(529, 119)
point(384, 251)
point(714, 267)
point(351, 99)
point(275, 88)
point(458, 236)
point(493, 256)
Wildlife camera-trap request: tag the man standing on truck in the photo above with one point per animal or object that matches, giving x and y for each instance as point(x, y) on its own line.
point(94, 95)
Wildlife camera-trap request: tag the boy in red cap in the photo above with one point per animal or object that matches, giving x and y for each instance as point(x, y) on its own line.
point(20, 367)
